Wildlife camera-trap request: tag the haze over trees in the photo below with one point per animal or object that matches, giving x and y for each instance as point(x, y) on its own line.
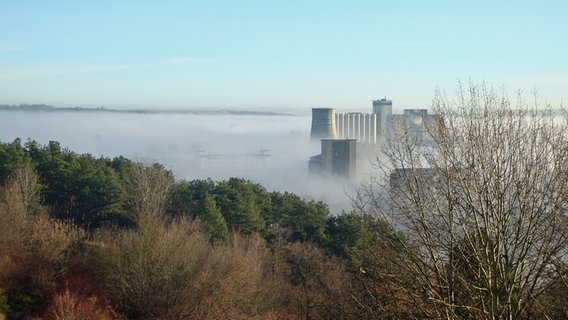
point(472, 226)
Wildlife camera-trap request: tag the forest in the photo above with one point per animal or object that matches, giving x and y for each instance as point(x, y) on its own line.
point(480, 234)
point(98, 238)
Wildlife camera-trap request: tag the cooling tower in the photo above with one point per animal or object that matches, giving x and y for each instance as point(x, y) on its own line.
point(323, 124)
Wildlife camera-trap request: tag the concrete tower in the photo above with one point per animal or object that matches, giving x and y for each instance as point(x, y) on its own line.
point(323, 124)
point(338, 158)
point(383, 109)
point(382, 105)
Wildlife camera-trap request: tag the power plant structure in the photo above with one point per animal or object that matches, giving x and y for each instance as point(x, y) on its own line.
point(323, 124)
point(338, 158)
point(383, 109)
point(361, 126)
point(417, 122)
point(374, 128)
point(382, 106)
point(340, 132)
point(367, 128)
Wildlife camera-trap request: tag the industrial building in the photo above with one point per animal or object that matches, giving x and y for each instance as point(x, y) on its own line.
point(340, 132)
point(376, 127)
point(383, 109)
point(356, 125)
point(323, 124)
point(417, 121)
point(366, 128)
point(338, 158)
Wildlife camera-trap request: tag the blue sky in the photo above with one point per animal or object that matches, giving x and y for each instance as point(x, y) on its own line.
point(276, 54)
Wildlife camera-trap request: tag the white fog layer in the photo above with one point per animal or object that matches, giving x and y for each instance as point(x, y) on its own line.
point(272, 150)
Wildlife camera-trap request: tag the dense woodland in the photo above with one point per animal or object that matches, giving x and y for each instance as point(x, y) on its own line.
point(481, 234)
point(97, 238)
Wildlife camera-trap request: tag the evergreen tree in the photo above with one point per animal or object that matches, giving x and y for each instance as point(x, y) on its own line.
point(211, 218)
point(242, 204)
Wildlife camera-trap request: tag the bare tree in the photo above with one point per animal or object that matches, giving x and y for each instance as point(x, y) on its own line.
point(22, 191)
point(483, 206)
point(149, 189)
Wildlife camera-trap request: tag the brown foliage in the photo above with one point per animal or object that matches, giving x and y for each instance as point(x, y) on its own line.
point(68, 306)
point(34, 248)
point(314, 286)
point(234, 283)
point(32, 263)
point(551, 304)
point(383, 287)
point(173, 271)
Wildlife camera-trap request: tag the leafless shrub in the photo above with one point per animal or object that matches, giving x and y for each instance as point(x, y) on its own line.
point(31, 267)
point(149, 271)
point(174, 272)
point(34, 248)
point(235, 283)
point(67, 306)
point(316, 286)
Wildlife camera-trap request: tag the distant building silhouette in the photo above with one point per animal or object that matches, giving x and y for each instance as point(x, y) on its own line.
point(323, 124)
point(356, 125)
point(367, 128)
point(338, 158)
point(383, 109)
point(376, 127)
point(340, 133)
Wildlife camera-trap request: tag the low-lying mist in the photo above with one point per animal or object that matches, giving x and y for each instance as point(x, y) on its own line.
point(272, 150)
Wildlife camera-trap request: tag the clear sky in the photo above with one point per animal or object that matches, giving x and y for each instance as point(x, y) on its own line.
point(273, 54)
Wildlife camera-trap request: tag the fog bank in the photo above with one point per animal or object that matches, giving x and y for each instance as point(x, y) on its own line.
point(272, 150)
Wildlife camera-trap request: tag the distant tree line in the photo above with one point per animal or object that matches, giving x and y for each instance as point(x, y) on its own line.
point(48, 108)
point(93, 192)
point(26, 107)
